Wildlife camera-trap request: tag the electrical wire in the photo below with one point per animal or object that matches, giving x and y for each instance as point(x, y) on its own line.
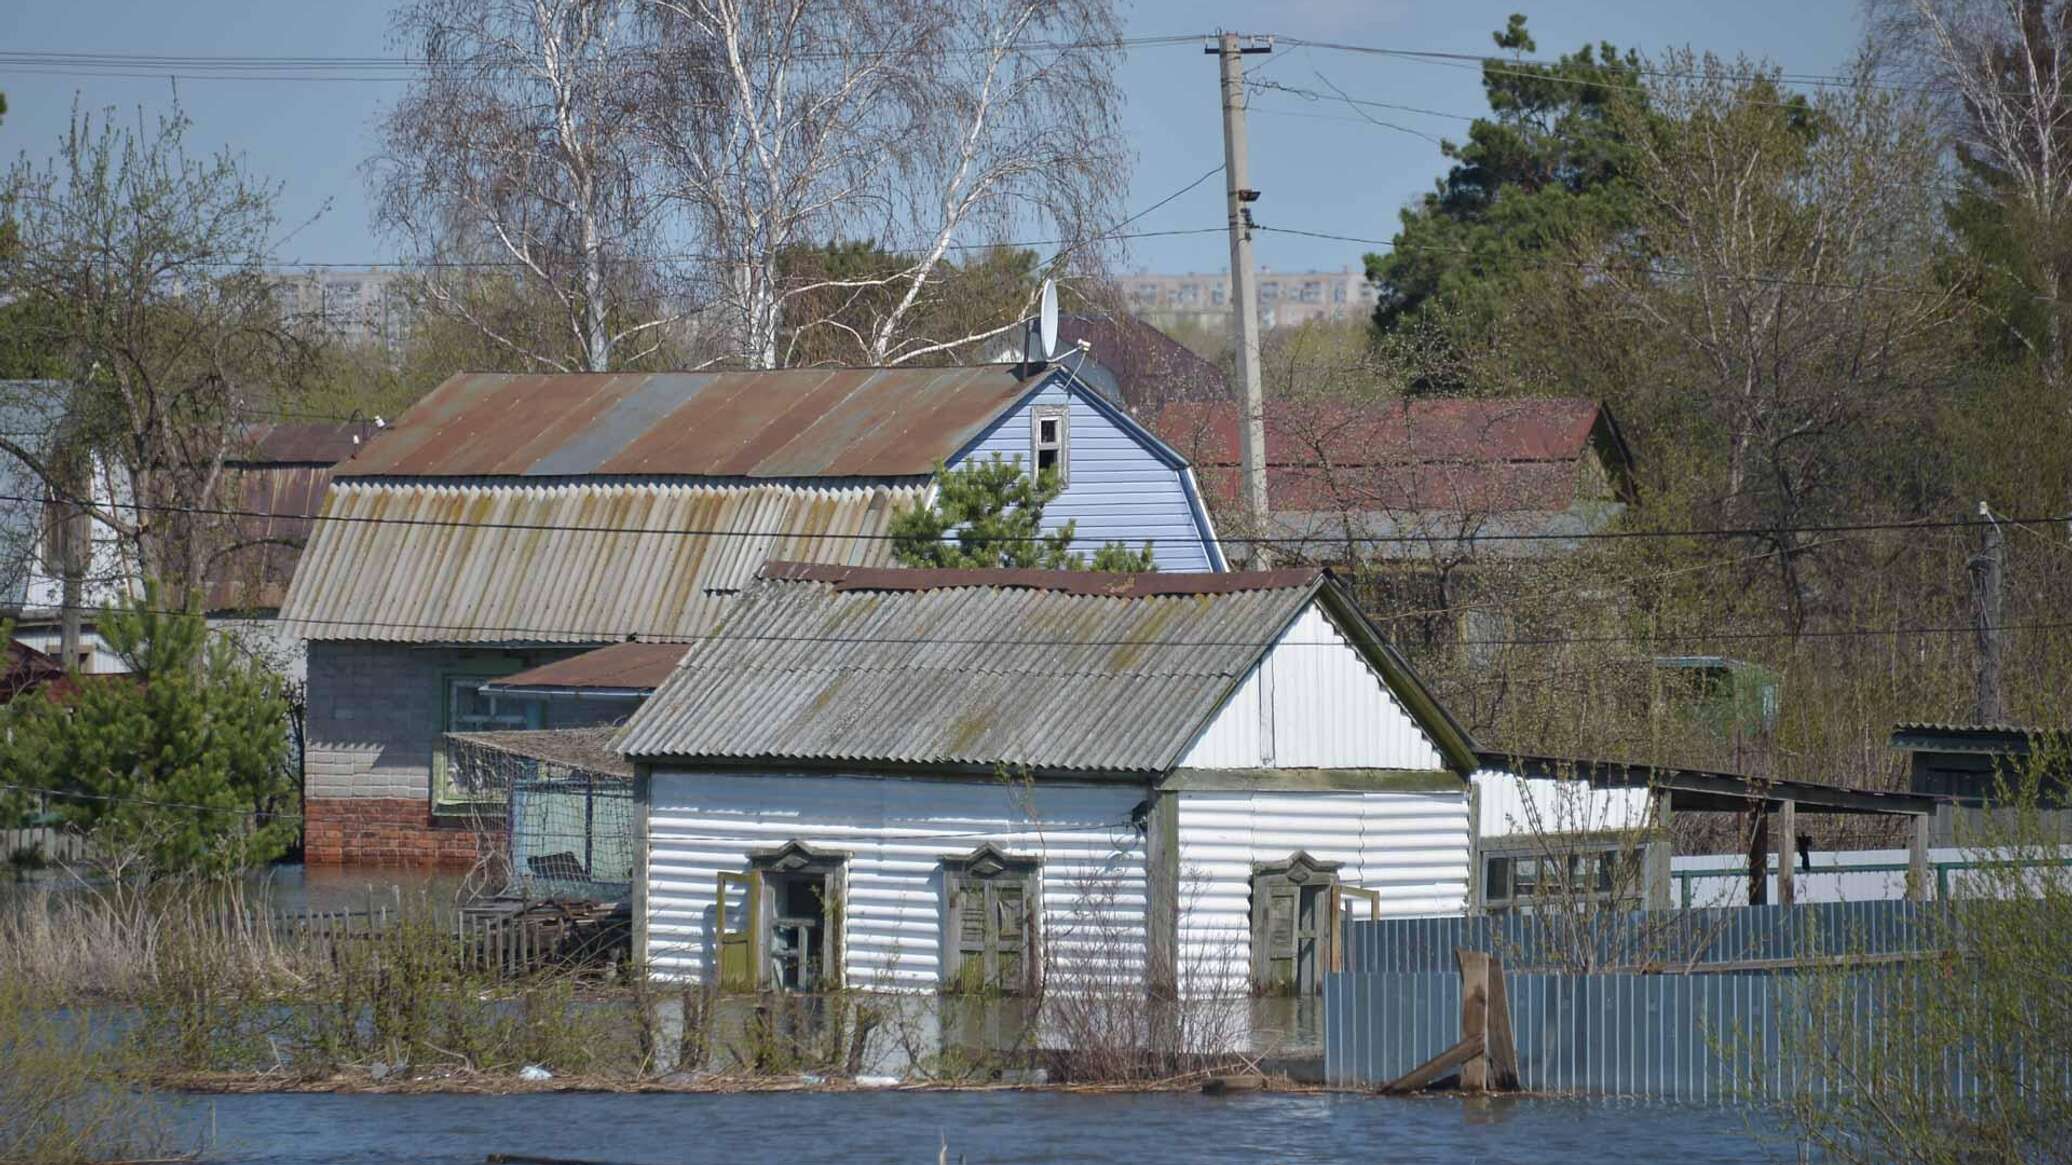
point(1259, 540)
point(579, 636)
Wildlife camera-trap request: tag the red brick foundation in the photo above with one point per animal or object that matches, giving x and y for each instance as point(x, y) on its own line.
point(376, 831)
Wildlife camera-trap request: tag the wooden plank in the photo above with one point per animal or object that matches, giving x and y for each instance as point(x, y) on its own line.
point(1758, 857)
point(1787, 838)
point(1474, 1015)
point(1503, 1050)
point(1437, 1067)
point(1918, 886)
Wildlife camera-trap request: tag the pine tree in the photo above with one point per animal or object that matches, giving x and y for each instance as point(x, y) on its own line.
point(990, 514)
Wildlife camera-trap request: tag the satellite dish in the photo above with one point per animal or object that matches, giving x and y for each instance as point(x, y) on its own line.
point(1047, 321)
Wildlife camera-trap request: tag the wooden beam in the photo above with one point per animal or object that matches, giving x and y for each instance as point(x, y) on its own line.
point(1474, 1015)
point(1920, 888)
point(1787, 838)
point(1436, 1068)
point(1503, 1050)
point(1657, 871)
point(1758, 857)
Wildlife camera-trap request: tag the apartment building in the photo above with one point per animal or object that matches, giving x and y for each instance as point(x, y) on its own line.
point(1286, 298)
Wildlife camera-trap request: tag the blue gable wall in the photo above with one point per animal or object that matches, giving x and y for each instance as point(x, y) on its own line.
point(1119, 487)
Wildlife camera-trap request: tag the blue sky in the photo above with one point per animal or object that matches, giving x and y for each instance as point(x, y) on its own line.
point(1320, 166)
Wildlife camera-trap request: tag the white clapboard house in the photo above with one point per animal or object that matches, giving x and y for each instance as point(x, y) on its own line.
point(928, 779)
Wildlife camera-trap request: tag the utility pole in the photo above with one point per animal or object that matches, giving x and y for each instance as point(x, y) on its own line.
point(1988, 602)
point(1230, 49)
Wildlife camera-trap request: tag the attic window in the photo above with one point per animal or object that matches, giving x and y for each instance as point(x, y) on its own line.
point(1050, 440)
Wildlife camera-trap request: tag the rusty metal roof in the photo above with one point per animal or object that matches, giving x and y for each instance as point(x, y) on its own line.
point(637, 667)
point(298, 443)
point(273, 486)
point(565, 561)
point(791, 423)
point(1422, 454)
point(816, 665)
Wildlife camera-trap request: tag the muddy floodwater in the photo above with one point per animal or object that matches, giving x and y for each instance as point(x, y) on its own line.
point(994, 1128)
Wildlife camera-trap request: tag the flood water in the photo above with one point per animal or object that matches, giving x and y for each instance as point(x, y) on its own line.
point(996, 1128)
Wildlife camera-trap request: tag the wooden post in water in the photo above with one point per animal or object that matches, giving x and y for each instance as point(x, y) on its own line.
point(1474, 1017)
point(1787, 834)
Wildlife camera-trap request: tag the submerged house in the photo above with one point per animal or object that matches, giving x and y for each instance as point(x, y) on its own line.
point(945, 779)
point(505, 523)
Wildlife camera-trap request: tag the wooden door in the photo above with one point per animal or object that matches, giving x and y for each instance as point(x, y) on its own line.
point(738, 924)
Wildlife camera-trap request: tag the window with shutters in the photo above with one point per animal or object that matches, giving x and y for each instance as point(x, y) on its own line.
point(1292, 925)
point(796, 934)
point(990, 911)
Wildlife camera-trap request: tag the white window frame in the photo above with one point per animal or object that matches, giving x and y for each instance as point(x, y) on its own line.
point(1063, 445)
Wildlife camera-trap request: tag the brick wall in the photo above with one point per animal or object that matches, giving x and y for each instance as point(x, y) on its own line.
point(383, 831)
point(375, 714)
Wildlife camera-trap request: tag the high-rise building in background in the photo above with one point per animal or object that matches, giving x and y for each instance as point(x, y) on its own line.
point(363, 307)
point(1286, 298)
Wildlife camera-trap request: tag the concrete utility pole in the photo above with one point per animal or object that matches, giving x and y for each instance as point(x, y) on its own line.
point(1988, 602)
point(1230, 48)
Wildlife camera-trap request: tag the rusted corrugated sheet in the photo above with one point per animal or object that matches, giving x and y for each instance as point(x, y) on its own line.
point(469, 562)
point(1441, 455)
point(620, 667)
point(300, 443)
point(1051, 679)
point(262, 540)
point(858, 422)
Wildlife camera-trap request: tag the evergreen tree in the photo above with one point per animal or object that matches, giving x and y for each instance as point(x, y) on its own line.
point(1550, 164)
point(180, 766)
point(990, 514)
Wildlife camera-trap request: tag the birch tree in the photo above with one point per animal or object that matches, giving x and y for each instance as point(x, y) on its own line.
point(2001, 74)
point(513, 169)
point(151, 263)
point(925, 127)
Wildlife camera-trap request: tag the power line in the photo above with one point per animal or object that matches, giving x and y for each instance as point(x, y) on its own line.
point(292, 69)
point(1632, 268)
point(579, 637)
point(76, 795)
point(1518, 65)
point(852, 536)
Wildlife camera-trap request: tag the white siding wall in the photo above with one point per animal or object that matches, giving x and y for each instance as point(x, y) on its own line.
point(1513, 806)
point(897, 832)
point(1413, 847)
point(1116, 488)
point(1313, 703)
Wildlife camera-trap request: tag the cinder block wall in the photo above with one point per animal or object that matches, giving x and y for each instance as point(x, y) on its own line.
point(375, 714)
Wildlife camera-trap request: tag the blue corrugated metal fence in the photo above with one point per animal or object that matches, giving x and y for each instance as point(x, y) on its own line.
point(1665, 940)
point(1584, 1023)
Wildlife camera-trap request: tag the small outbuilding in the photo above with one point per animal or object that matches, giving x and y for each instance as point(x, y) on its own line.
point(934, 780)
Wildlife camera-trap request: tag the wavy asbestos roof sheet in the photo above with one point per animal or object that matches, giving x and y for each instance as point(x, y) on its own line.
point(810, 666)
point(801, 422)
point(564, 562)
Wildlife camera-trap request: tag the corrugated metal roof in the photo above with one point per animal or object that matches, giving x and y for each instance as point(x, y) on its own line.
point(274, 485)
point(813, 666)
point(620, 667)
point(564, 562)
point(299, 443)
point(1426, 454)
point(806, 422)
